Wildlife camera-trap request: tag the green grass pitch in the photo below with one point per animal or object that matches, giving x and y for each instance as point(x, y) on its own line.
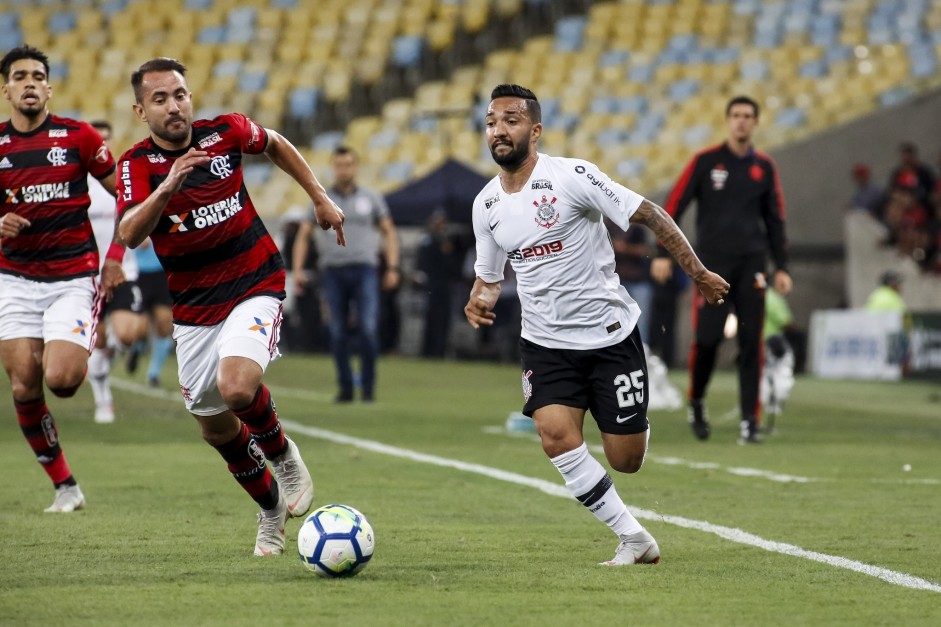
point(167, 535)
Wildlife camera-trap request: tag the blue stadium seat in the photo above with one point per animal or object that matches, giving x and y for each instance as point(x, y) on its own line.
point(570, 34)
point(10, 38)
point(303, 102)
point(406, 50)
point(197, 5)
point(327, 141)
point(683, 89)
point(611, 137)
point(386, 138)
point(226, 68)
point(251, 82)
point(754, 70)
point(212, 35)
point(61, 22)
point(58, 70)
point(791, 117)
point(894, 96)
point(9, 21)
point(398, 171)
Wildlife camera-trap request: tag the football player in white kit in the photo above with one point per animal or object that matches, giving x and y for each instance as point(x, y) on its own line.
point(125, 323)
point(579, 343)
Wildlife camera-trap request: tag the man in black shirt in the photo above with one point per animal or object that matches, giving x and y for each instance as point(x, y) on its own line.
point(740, 219)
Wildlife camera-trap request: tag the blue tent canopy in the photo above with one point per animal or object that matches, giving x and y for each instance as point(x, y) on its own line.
point(451, 187)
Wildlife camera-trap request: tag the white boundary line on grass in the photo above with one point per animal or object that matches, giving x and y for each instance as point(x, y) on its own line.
point(729, 533)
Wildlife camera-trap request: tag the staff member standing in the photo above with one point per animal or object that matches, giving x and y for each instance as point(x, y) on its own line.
point(740, 219)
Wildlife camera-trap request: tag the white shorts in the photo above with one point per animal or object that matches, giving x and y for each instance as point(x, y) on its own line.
point(49, 310)
point(251, 330)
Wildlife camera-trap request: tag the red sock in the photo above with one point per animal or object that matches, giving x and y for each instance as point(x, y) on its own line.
point(261, 417)
point(39, 428)
point(247, 465)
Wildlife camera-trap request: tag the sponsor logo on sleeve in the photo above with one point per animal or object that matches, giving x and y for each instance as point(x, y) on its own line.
point(256, 134)
point(102, 154)
point(126, 180)
point(492, 201)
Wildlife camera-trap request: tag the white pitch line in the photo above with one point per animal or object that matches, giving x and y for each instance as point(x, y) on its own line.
point(729, 533)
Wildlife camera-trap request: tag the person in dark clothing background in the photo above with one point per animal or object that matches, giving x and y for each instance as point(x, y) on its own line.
point(740, 219)
point(438, 265)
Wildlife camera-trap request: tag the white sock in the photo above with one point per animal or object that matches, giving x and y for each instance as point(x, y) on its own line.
point(99, 366)
point(588, 482)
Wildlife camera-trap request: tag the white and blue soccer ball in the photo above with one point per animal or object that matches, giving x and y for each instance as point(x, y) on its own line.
point(335, 541)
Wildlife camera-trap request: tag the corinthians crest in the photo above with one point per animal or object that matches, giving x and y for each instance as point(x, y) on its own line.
point(546, 213)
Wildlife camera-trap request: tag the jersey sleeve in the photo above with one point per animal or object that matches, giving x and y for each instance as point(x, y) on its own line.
point(491, 259)
point(774, 217)
point(133, 184)
point(380, 206)
point(253, 138)
point(94, 152)
point(593, 190)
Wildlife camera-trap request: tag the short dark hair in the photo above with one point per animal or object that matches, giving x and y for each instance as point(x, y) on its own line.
point(745, 100)
point(510, 90)
point(101, 125)
point(342, 150)
point(22, 52)
point(160, 64)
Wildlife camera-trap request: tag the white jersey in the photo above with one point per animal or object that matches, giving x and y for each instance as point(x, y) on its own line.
point(101, 212)
point(553, 233)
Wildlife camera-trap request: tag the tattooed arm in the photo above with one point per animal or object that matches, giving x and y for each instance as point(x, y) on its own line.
point(654, 217)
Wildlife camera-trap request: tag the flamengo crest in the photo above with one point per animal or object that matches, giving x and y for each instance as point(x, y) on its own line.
point(546, 214)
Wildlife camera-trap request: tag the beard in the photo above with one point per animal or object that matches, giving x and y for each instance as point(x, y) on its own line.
point(512, 159)
point(32, 111)
point(173, 136)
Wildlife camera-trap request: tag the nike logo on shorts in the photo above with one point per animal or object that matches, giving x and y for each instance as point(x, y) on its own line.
point(625, 418)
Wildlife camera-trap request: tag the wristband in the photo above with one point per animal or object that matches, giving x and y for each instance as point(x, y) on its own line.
point(115, 252)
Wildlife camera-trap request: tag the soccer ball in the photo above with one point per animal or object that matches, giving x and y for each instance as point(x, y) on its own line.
point(335, 541)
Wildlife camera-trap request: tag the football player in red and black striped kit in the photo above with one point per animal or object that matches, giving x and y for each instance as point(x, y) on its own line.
point(49, 296)
point(183, 187)
point(739, 221)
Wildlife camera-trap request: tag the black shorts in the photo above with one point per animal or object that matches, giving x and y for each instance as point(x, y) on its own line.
point(610, 382)
point(153, 287)
point(126, 297)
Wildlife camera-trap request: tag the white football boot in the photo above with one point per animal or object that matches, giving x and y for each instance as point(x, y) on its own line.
point(270, 538)
point(296, 485)
point(68, 499)
point(104, 414)
point(637, 548)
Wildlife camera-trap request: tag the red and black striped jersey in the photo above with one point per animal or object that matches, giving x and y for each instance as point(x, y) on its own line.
point(210, 240)
point(44, 178)
point(740, 207)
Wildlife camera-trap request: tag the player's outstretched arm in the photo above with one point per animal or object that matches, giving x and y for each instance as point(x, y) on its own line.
point(479, 307)
point(286, 156)
point(654, 217)
point(299, 255)
point(140, 220)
